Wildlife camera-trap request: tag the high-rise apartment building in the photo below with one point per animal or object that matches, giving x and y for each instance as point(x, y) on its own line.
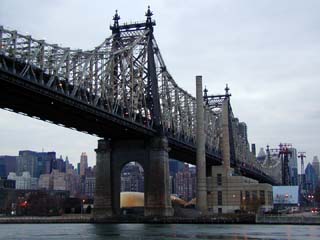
point(174, 167)
point(83, 163)
point(185, 183)
point(90, 184)
point(132, 178)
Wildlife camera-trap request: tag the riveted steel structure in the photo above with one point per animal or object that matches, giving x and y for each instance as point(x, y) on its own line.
point(120, 90)
point(124, 78)
point(238, 149)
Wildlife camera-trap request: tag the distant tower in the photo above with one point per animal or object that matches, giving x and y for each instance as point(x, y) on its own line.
point(316, 165)
point(261, 155)
point(83, 163)
point(302, 156)
point(268, 154)
point(253, 149)
point(284, 153)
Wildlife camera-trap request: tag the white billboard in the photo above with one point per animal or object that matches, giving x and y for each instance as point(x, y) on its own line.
point(285, 194)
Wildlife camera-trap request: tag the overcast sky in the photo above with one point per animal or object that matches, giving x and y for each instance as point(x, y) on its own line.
point(266, 50)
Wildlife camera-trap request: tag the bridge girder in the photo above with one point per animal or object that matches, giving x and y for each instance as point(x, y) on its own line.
point(106, 87)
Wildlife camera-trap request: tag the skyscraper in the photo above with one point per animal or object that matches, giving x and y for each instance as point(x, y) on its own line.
point(316, 165)
point(59, 164)
point(36, 163)
point(83, 163)
point(293, 167)
point(27, 162)
point(311, 178)
point(7, 164)
point(45, 162)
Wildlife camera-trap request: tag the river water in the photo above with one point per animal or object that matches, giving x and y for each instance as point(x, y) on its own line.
point(157, 231)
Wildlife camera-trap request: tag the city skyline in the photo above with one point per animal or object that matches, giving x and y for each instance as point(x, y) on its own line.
point(265, 51)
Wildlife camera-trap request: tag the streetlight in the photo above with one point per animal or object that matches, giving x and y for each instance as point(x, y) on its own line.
point(82, 206)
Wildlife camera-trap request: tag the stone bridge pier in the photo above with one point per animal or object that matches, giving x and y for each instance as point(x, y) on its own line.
point(152, 155)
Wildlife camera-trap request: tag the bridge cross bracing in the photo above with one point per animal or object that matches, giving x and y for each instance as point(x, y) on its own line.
point(113, 77)
point(125, 77)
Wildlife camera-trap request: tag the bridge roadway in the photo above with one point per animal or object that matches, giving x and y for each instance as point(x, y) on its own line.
point(26, 96)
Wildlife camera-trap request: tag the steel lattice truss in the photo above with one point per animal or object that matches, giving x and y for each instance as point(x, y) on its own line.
point(114, 77)
point(240, 154)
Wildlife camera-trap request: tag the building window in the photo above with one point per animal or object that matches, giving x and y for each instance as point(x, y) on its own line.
point(270, 198)
point(247, 196)
point(262, 197)
point(219, 197)
point(219, 179)
point(254, 195)
point(219, 210)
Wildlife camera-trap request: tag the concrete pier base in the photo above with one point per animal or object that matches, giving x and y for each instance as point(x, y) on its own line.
point(152, 155)
point(103, 194)
point(157, 196)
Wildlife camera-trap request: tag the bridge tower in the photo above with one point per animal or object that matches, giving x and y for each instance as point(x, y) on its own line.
point(284, 153)
point(150, 152)
point(223, 103)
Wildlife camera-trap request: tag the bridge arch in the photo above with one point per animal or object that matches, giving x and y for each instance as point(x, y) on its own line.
point(132, 189)
point(152, 155)
point(122, 153)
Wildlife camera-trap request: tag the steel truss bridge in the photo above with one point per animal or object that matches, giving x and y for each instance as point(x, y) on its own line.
point(120, 89)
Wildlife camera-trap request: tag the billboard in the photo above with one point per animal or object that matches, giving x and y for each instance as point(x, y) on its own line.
point(285, 194)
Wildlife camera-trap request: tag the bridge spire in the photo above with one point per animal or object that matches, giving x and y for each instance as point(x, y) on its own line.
point(116, 18)
point(149, 21)
point(227, 91)
point(149, 14)
point(205, 95)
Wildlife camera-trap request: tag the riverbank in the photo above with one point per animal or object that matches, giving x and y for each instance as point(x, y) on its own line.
point(287, 219)
point(245, 219)
point(227, 219)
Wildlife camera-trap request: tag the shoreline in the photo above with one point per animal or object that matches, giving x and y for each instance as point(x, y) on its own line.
point(74, 219)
